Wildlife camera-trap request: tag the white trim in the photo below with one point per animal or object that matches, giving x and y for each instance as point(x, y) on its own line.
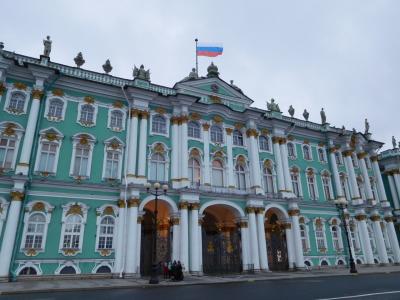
point(280, 208)
point(244, 139)
point(246, 170)
point(10, 91)
point(49, 98)
point(99, 218)
point(221, 202)
point(222, 144)
point(119, 150)
point(19, 130)
point(167, 123)
point(324, 259)
point(110, 111)
point(310, 151)
point(91, 141)
point(315, 184)
point(78, 118)
point(224, 171)
point(67, 264)
point(166, 163)
point(294, 150)
point(325, 161)
point(172, 204)
point(298, 179)
point(273, 171)
point(29, 264)
point(270, 151)
point(200, 139)
point(102, 264)
point(323, 231)
point(43, 139)
point(3, 213)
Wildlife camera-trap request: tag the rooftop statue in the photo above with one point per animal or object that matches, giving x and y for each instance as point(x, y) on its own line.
point(79, 61)
point(235, 86)
point(193, 74)
point(141, 73)
point(212, 70)
point(107, 66)
point(291, 111)
point(306, 114)
point(394, 142)
point(47, 46)
point(272, 106)
point(366, 126)
point(343, 130)
point(323, 116)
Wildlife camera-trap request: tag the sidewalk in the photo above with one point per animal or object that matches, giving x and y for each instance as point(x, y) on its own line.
point(36, 286)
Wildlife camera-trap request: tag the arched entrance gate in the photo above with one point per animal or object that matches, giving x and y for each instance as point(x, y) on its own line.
point(221, 240)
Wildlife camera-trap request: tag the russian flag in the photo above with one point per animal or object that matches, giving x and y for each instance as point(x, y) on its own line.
point(209, 49)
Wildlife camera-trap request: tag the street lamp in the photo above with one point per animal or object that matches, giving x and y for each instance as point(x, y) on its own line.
point(156, 191)
point(341, 205)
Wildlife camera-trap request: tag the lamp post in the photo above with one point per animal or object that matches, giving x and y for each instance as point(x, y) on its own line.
point(341, 205)
point(156, 191)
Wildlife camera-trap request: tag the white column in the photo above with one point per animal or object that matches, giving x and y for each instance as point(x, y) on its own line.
point(184, 152)
point(355, 194)
point(206, 142)
point(132, 147)
point(396, 178)
point(175, 149)
point(194, 238)
point(245, 244)
point(393, 191)
point(23, 165)
point(290, 246)
point(139, 242)
point(364, 171)
point(364, 237)
point(294, 213)
point(335, 172)
point(394, 243)
point(10, 232)
point(119, 246)
point(175, 239)
point(184, 236)
point(285, 165)
point(229, 153)
point(278, 164)
point(254, 159)
point(255, 260)
point(380, 242)
point(143, 144)
point(262, 244)
point(378, 177)
point(200, 237)
point(130, 253)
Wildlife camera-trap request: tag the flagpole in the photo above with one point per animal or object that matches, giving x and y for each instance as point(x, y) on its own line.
point(197, 58)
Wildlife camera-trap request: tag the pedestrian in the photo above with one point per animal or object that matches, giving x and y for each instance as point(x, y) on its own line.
point(169, 265)
point(165, 270)
point(173, 270)
point(179, 271)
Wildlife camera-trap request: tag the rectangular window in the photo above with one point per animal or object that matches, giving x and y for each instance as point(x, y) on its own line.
point(112, 164)
point(217, 177)
point(7, 148)
point(81, 161)
point(295, 184)
point(47, 157)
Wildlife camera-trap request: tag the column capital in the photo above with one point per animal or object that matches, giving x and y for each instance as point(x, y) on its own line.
point(374, 158)
point(144, 114)
point(332, 149)
point(2, 88)
point(347, 153)
point(243, 224)
point(389, 219)
point(287, 225)
point(175, 120)
point(229, 131)
point(250, 209)
point(259, 210)
point(194, 206)
point(37, 94)
point(294, 212)
point(121, 203)
point(361, 217)
point(362, 155)
point(251, 132)
point(282, 141)
point(206, 126)
point(134, 113)
point(183, 205)
point(139, 219)
point(276, 139)
point(175, 221)
point(183, 119)
point(375, 218)
point(133, 202)
point(17, 195)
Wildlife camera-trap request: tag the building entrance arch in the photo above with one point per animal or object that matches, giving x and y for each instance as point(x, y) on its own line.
point(275, 234)
point(221, 240)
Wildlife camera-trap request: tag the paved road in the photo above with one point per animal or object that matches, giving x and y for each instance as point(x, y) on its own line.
point(379, 286)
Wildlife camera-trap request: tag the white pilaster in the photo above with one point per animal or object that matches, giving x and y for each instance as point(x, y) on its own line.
point(394, 243)
point(143, 146)
point(255, 260)
point(294, 214)
point(393, 191)
point(355, 194)
point(132, 237)
point(262, 245)
point(184, 152)
point(184, 235)
point(279, 165)
point(364, 171)
point(175, 152)
point(200, 237)
point(10, 232)
point(364, 238)
point(206, 143)
point(132, 147)
point(335, 173)
point(139, 242)
point(285, 165)
point(290, 246)
point(380, 242)
point(378, 177)
point(175, 239)
point(396, 177)
point(244, 232)
point(119, 246)
point(229, 153)
point(194, 238)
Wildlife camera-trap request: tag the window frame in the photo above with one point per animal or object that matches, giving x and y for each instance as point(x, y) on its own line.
point(222, 170)
point(17, 132)
point(114, 145)
point(269, 143)
point(311, 173)
point(327, 176)
point(191, 171)
point(162, 149)
point(198, 127)
point(79, 114)
point(294, 156)
point(51, 136)
point(110, 116)
point(320, 238)
point(321, 151)
point(47, 108)
point(295, 171)
point(10, 92)
point(268, 164)
point(222, 134)
point(309, 151)
point(81, 139)
point(238, 135)
point(166, 117)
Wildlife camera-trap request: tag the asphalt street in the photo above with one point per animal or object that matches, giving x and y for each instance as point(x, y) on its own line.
point(376, 286)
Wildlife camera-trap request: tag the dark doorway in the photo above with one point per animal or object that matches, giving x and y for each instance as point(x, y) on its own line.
point(276, 244)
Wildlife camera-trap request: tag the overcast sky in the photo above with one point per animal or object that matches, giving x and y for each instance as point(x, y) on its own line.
point(340, 55)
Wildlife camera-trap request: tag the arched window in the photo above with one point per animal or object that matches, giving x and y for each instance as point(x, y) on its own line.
point(7, 150)
point(68, 270)
point(340, 262)
point(304, 237)
point(217, 173)
point(326, 183)
point(320, 236)
point(28, 271)
point(72, 232)
point(264, 142)
point(157, 167)
point(307, 263)
point(336, 238)
point(237, 138)
point(103, 270)
point(194, 171)
point(268, 179)
point(321, 155)
point(106, 234)
point(194, 129)
point(48, 155)
point(240, 177)
point(294, 175)
point(159, 124)
point(306, 152)
point(55, 108)
point(116, 119)
point(324, 263)
point(312, 185)
point(217, 134)
point(87, 114)
point(112, 164)
point(81, 161)
point(17, 102)
point(35, 231)
point(291, 150)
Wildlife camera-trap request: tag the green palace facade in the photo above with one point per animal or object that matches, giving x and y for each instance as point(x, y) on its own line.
point(249, 189)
